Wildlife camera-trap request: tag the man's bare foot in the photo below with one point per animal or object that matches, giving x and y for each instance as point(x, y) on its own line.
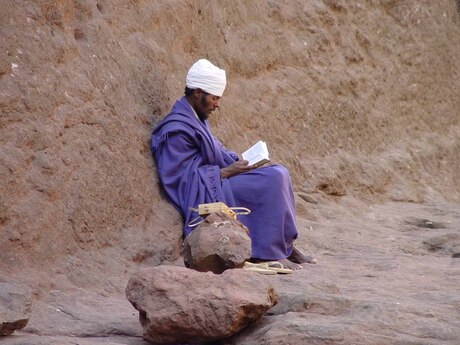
point(298, 257)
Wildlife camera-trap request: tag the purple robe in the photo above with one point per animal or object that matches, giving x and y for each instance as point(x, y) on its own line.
point(189, 159)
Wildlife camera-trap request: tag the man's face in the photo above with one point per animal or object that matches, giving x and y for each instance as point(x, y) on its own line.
point(206, 104)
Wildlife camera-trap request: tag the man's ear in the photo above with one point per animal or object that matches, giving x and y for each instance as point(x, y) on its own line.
point(197, 93)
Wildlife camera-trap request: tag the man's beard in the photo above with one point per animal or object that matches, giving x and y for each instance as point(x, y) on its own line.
point(204, 104)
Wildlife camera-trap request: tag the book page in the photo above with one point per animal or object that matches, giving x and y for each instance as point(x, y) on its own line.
point(257, 154)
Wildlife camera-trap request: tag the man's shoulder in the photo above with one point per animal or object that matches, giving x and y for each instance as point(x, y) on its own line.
point(180, 112)
point(171, 127)
point(173, 124)
point(175, 120)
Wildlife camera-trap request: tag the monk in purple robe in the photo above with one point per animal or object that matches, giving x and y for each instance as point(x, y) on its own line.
point(195, 168)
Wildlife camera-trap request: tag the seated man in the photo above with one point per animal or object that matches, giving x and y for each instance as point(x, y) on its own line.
point(195, 168)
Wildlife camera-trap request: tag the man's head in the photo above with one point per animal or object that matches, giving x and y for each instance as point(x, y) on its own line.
point(204, 103)
point(205, 84)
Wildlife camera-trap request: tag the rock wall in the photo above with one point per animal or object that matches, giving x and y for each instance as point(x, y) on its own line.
point(360, 96)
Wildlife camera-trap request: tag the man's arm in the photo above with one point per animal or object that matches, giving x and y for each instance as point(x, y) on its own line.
point(236, 168)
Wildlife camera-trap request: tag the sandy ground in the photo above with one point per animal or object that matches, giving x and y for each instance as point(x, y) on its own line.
point(377, 282)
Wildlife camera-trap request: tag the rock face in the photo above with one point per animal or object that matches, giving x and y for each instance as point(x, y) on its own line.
point(179, 305)
point(359, 99)
point(217, 244)
point(371, 105)
point(15, 307)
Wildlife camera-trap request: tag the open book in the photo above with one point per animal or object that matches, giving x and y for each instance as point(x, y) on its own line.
point(257, 154)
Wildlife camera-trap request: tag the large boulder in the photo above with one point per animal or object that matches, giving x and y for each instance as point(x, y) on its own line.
point(180, 305)
point(217, 244)
point(15, 307)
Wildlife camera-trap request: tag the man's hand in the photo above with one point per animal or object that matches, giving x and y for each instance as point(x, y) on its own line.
point(236, 168)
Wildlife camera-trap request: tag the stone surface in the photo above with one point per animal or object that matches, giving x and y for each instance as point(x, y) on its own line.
point(446, 243)
point(360, 93)
point(369, 283)
point(376, 282)
point(217, 244)
point(84, 313)
point(338, 95)
point(15, 307)
point(32, 339)
point(179, 305)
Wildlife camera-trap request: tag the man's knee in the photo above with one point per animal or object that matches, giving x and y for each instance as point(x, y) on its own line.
point(280, 174)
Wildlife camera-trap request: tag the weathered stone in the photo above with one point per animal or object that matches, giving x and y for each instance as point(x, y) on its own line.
point(219, 243)
point(424, 223)
point(445, 243)
point(331, 186)
point(15, 307)
point(177, 304)
point(367, 91)
point(307, 198)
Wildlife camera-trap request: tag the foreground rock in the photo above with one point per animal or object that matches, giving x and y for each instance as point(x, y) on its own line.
point(15, 307)
point(219, 243)
point(178, 305)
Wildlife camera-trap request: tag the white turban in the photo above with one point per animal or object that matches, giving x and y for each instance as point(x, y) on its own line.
point(204, 75)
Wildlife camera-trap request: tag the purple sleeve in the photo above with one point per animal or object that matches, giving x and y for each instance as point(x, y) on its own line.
point(231, 153)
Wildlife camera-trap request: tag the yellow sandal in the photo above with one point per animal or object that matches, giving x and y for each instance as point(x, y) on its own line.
point(261, 268)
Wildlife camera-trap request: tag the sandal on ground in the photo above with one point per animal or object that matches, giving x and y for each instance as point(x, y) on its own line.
point(261, 268)
point(278, 267)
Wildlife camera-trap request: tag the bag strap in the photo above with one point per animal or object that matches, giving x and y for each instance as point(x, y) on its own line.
point(194, 222)
point(205, 209)
point(242, 210)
